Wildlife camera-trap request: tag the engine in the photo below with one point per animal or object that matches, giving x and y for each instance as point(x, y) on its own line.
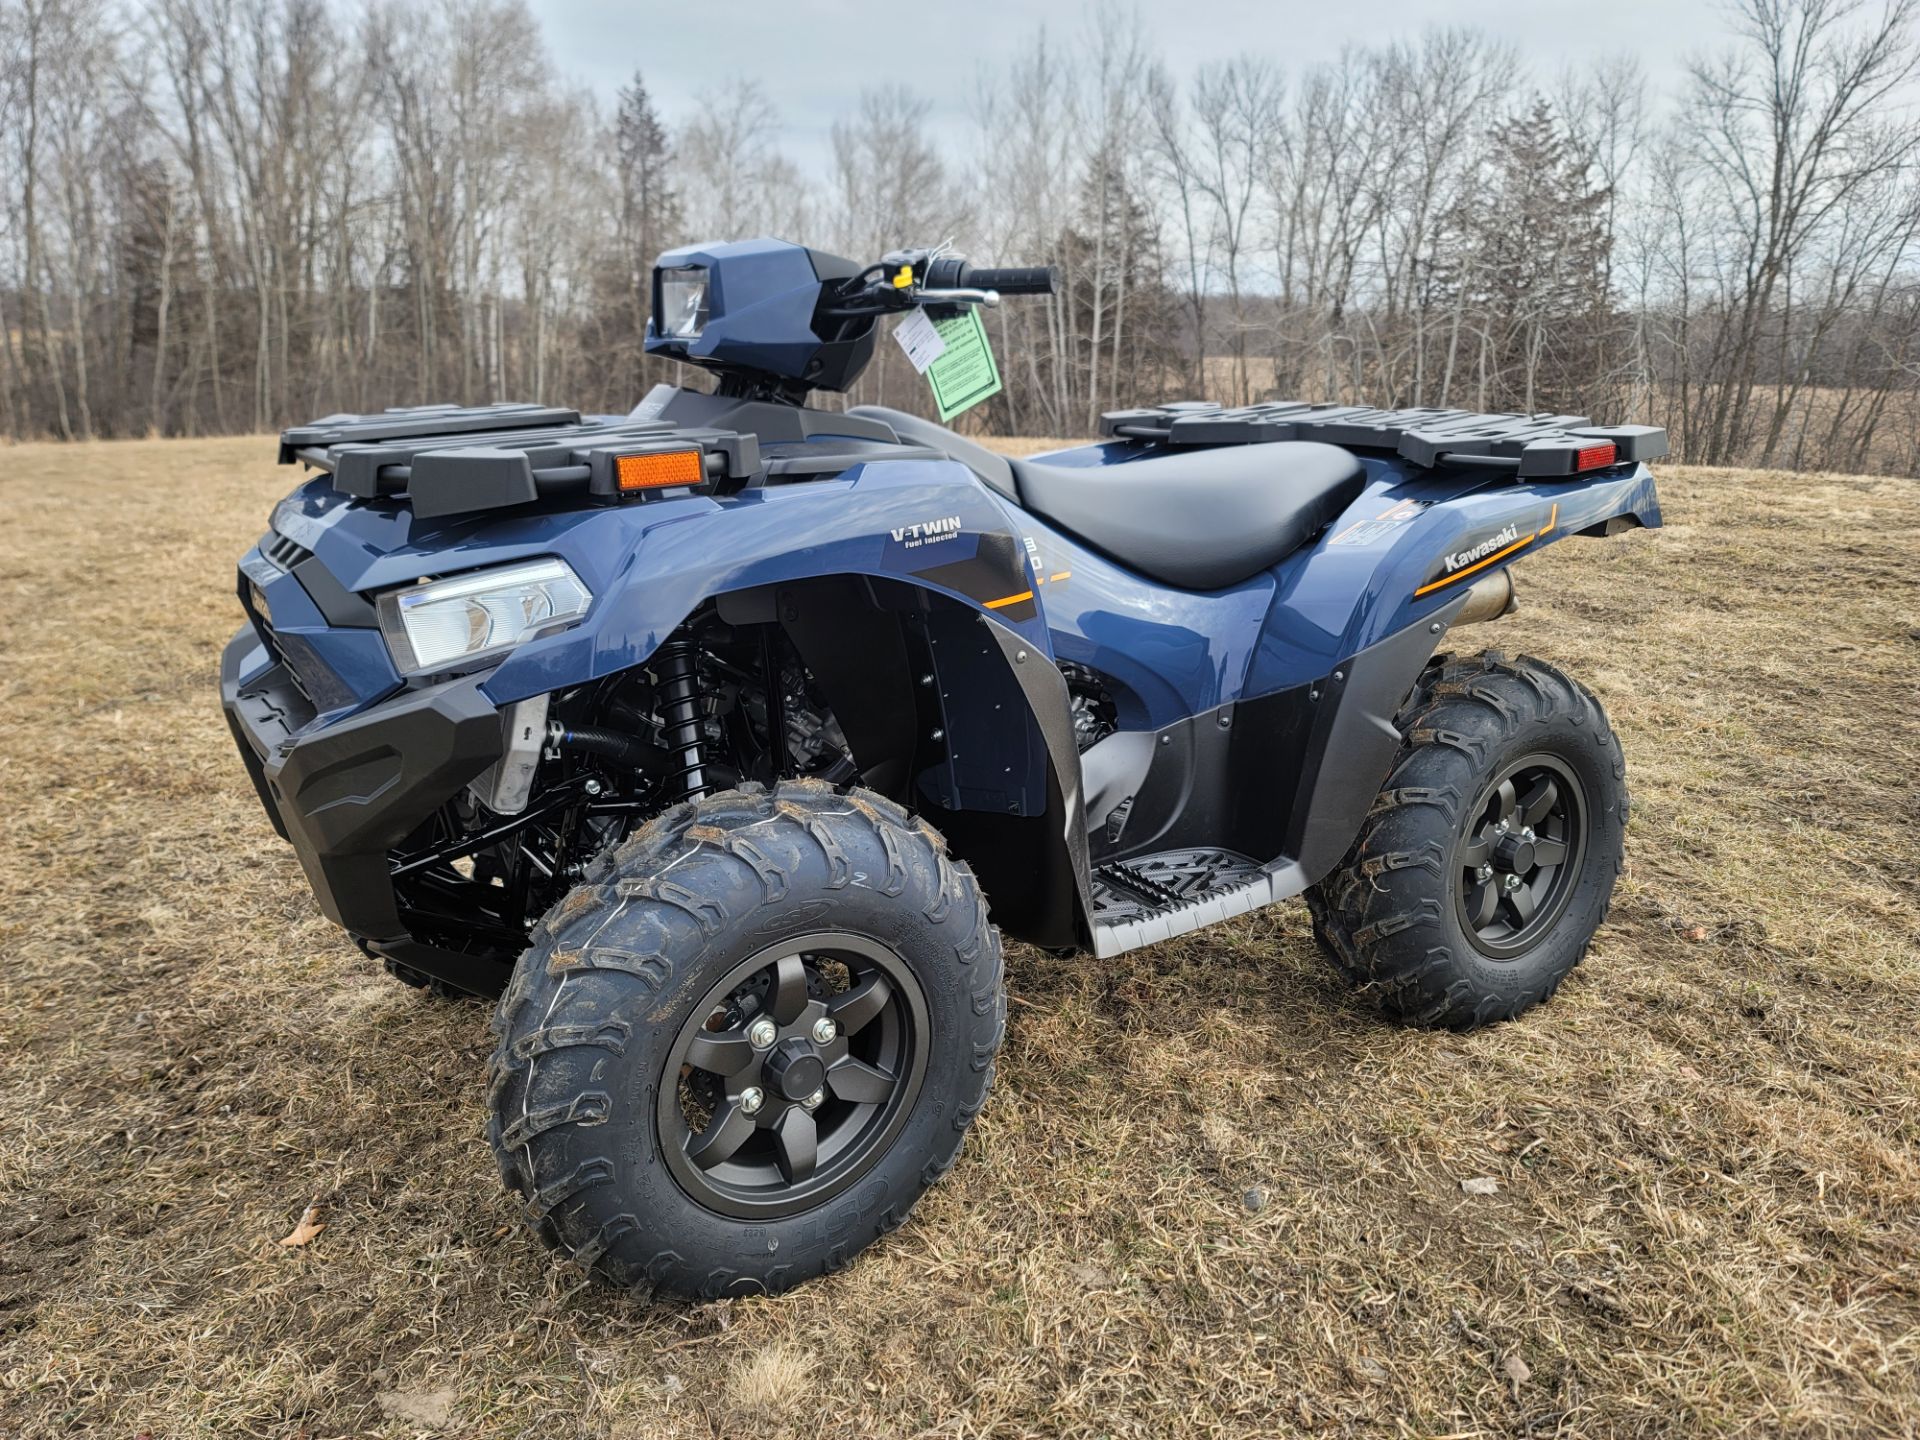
point(1095, 716)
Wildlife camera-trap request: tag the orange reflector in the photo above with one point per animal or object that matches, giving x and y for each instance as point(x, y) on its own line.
point(663, 468)
point(1595, 457)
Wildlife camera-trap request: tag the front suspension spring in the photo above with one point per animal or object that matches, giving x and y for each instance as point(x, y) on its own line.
point(682, 718)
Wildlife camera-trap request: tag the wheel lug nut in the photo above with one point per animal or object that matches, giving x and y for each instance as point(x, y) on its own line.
point(1527, 834)
point(1513, 882)
point(762, 1033)
point(815, 1100)
point(751, 1099)
point(1485, 873)
point(824, 1030)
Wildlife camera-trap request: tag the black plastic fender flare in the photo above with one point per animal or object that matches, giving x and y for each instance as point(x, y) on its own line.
point(948, 708)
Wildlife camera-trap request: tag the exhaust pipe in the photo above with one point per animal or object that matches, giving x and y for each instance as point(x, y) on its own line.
point(1488, 599)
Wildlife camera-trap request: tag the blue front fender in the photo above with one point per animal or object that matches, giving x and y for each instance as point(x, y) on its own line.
point(930, 523)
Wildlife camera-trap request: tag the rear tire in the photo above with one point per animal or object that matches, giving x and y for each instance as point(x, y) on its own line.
point(629, 1041)
point(1489, 859)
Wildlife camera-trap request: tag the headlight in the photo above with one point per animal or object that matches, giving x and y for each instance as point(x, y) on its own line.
point(429, 627)
point(287, 514)
point(683, 302)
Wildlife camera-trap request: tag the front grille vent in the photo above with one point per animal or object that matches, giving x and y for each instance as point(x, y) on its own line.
point(284, 552)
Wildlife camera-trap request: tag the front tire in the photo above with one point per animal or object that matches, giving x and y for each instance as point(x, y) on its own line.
point(742, 1048)
point(1489, 859)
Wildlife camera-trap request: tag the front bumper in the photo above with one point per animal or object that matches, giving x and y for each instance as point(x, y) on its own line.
point(346, 792)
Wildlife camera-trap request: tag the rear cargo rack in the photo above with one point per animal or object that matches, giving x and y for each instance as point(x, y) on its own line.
point(1535, 446)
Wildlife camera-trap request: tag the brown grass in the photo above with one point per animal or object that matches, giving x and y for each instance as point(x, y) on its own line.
point(1213, 1195)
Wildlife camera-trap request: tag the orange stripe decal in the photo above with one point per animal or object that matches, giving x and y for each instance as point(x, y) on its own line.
point(1009, 600)
point(1477, 565)
point(1060, 575)
point(1551, 517)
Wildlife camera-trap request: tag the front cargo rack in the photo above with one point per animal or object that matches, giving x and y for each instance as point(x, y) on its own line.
point(452, 460)
point(1536, 446)
point(449, 460)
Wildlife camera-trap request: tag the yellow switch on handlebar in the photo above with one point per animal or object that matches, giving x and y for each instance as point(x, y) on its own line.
point(904, 278)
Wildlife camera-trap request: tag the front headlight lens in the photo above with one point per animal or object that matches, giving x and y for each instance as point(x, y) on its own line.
point(683, 302)
point(431, 626)
point(286, 515)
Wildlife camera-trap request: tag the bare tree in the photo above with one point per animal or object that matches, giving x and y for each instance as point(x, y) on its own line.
point(220, 214)
point(743, 175)
point(648, 218)
point(1026, 159)
point(1175, 153)
point(1236, 106)
point(1786, 130)
point(889, 191)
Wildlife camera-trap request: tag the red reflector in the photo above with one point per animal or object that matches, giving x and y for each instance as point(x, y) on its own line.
point(1595, 457)
point(656, 471)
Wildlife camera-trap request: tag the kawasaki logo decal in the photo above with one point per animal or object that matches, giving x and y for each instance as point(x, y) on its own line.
point(1477, 555)
point(1460, 559)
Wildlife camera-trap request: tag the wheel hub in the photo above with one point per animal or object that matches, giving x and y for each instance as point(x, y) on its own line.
point(794, 1069)
point(1515, 853)
point(1518, 858)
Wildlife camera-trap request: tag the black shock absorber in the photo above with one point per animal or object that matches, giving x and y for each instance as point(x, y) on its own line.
point(680, 718)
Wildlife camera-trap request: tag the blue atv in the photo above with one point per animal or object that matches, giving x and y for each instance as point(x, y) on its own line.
point(704, 736)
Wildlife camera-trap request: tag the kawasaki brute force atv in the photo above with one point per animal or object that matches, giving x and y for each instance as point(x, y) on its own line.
point(707, 734)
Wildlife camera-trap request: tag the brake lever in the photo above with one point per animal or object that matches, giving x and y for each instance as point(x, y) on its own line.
point(989, 298)
point(883, 299)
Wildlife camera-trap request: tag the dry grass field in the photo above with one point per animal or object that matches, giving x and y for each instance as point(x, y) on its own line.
point(1213, 1195)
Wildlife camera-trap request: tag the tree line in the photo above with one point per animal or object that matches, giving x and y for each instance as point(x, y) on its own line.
point(233, 215)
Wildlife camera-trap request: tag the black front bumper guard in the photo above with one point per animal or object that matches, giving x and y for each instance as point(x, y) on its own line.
point(347, 794)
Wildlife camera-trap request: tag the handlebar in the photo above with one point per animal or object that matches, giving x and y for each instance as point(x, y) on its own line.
point(951, 272)
point(908, 278)
point(1013, 279)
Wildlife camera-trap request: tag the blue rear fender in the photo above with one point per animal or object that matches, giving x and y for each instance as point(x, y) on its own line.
point(1408, 547)
point(1261, 717)
point(1412, 544)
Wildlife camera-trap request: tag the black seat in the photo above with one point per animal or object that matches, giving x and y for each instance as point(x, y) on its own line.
point(1196, 519)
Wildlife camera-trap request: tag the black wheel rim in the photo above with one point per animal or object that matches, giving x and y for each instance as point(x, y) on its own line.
point(793, 1076)
point(1518, 860)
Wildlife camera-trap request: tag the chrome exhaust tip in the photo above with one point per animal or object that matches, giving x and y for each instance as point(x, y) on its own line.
point(1490, 597)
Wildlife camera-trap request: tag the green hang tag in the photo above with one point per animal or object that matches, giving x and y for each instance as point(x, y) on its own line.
point(964, 373)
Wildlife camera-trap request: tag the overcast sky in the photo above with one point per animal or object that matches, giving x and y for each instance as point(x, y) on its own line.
point(814, 56)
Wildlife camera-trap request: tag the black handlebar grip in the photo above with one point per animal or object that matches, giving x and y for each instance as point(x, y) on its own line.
point(1014, 279)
